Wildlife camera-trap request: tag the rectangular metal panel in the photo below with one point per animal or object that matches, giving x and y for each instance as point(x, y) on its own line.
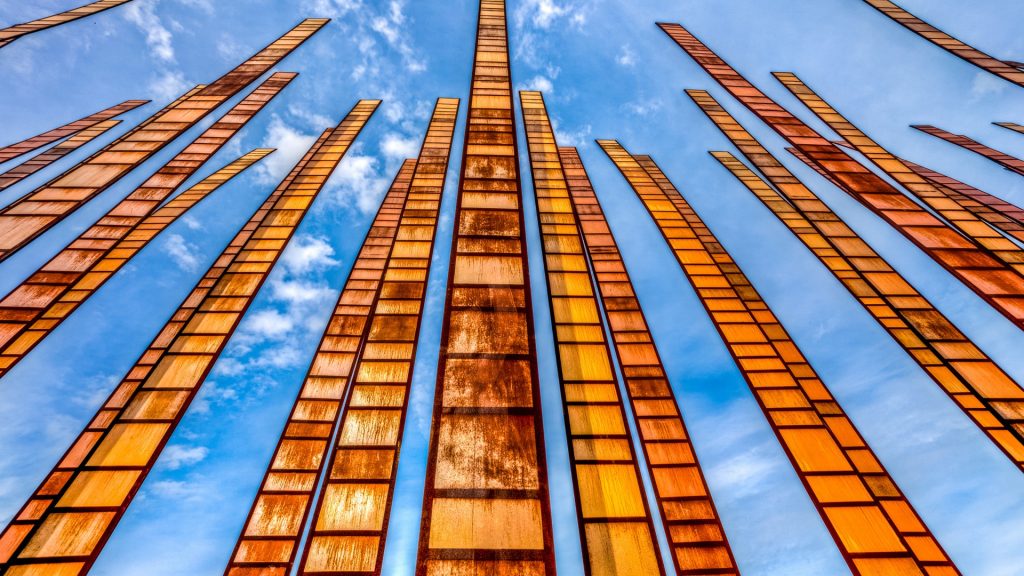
point(486, 507)
point(688, 513)
point(37, 163)
point(870, 519)
point(40, 210)
point(1006, 70)
point(75, 509)
point(28, 145)
point(995, 282)
point(985, 393)
point(39, 304)
point(616, 529)
point(8, 35)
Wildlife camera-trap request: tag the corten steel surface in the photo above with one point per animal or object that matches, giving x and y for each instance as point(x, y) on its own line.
point(25, 323)
point(1003, 159)
point(1011, 126)
point(270, 538)
point(961, 219)
point(8, 35)
point(989, 397)
point(617, 533)
point(688, 514)
point(65, 524)
point(24, 220)
point(998, 284)
point(994, 210)
point(1006, 70)
point(486, 507)
point(25, 146)
point(875, 527)
point(37, 163)
point(353, 506)
point(37, 306)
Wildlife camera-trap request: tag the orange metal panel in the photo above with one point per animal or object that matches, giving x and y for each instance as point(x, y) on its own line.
point(86, 263)
point(486, 508)
point(691, 522)
point(978, 268)
point(865, 511)
point(40, 210)
point(1005, 70)
point(8, 35)
point(945, 353)
point(37, 163)
point(76, 508)
point(616, 530)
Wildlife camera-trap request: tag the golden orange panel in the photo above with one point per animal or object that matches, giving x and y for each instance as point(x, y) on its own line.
point(342, 554)
point(494, 524)
point(610, 491)
point(486, 451)
point(621, 548)
point(352, 507)
point(67, 534)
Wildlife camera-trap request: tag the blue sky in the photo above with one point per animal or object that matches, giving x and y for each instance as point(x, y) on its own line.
point(607, 72)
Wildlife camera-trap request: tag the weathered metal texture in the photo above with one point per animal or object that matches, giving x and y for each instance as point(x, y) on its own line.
point(486, 507)
point(28, 217)
point(1011, 126)
point(617, 533)
point(64, 525)
point(270, 537)
point(1005, 70)
point(691, 523)
point(992, 209)
point(37, 163)
point(8, 35)
point(34, 143)
point(1011, 163)
point(995, 282)
point(353, 507)
point(35, 308)
point(986, 394)
point(875, 527)
point(961, 219)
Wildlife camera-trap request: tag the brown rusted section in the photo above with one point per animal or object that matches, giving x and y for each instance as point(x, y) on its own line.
point(8, 35)
point(1011, 163)
point(31, 311)
point(37, 163)
point(995, 282)
point(873, 524)
point(29, 216)
point(485, 506)
point(65, 524)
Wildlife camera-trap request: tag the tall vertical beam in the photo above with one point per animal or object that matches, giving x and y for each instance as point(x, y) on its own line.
point(37, 163)
point(979, 387)
point(486, 507)
point(961, 219)
point(270, 538)
point(1011, 163)
point(33, 309)
point(353, 509)
point(28, 145)
point(1008, 71)
point(692, 525)
point(617, 533)
point(995, 282)
point(963, 192)
point(64, 525)
point(8, 35)
point(37, 212)
point(875, 527)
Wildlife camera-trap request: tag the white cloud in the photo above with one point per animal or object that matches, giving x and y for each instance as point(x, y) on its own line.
point(626, 57)
point(158, 37)
point(357, 182)
point(643, 106)
point(267, 324)
point(542, 13)
point(168, 86)
point(395, 147)
point(579, 138)
point(305, 253)
point(176, 456)
point(291, 145)
point(986, 84)
point(181, 252)
point(540, 83)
